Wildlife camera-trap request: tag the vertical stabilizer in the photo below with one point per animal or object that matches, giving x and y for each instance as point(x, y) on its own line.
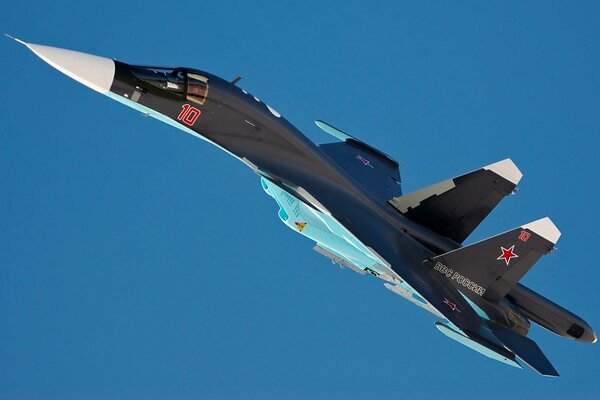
point(492, 267)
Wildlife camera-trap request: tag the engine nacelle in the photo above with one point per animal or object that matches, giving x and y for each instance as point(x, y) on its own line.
point(517, 321)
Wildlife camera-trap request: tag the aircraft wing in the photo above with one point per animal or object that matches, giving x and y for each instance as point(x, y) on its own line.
point(376, 171)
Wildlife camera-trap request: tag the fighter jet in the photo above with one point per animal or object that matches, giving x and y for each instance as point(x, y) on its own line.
point(346, 197)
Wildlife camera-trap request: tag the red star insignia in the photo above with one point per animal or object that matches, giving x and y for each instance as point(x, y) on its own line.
point(507, 254)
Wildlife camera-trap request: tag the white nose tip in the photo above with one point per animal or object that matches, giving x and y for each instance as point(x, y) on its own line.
point(94, 72)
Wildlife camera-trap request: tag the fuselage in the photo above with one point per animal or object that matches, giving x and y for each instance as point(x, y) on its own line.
point(356, 225)
point(255, 133)
point(358, 217)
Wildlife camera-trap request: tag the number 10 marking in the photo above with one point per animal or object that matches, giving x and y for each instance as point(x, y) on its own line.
point(188, 114)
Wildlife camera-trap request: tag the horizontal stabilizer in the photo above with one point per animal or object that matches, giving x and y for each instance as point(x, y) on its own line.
point(497, 353)
point(455, 207)
point(526, 349)
point(492, 267)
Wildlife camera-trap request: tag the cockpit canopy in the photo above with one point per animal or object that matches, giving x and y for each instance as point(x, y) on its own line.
point(197, 88)
point(175, 80)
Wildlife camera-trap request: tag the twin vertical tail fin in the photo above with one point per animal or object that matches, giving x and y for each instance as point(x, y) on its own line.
point(492, 267)
point(455, 207)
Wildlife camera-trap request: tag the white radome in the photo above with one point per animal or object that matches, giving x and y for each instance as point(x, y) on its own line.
point(95, 72)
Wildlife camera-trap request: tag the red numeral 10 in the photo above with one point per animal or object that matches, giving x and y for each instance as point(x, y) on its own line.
point(188, 114)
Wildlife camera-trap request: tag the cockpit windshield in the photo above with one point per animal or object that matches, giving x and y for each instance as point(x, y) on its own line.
point(171, 80)
point(193, 85)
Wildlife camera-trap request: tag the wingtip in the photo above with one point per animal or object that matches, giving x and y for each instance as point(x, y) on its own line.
point(507, 169)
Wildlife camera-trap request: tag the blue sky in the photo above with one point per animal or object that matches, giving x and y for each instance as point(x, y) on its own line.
point(139, 262)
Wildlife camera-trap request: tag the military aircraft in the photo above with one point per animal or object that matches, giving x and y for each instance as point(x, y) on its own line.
point(346, 197)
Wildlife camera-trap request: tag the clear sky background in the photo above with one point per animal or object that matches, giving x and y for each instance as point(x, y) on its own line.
point(138, 262)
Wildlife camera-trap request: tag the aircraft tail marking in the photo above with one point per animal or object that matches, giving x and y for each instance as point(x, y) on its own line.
point(492, 267)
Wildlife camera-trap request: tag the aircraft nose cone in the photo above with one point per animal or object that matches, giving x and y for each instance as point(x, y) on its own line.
point(95, 72)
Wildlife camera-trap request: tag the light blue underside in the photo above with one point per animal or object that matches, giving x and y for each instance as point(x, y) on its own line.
point(150, 112)
point(321, 228)
point(475, 307)
point(161, 117)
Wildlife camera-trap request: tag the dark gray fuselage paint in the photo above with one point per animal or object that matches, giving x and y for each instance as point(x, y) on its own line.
point(244, 126)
